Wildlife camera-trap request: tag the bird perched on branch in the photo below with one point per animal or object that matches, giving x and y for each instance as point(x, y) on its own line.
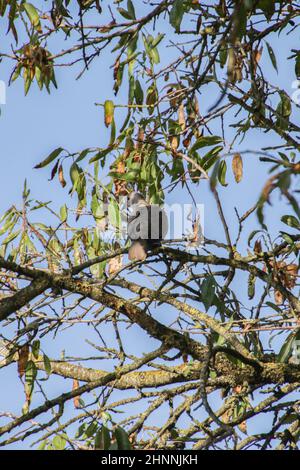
point(147, 226)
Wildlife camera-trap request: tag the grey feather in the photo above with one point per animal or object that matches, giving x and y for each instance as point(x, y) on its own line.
point(147, 226)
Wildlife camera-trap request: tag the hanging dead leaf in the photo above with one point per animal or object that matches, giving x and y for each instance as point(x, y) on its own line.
point(278, 297)
point(140, 138)
point(173, 96)
point(269, 186)
point(76, 400)
point(174, 141)
point(120, 185)
point(291, 274)
point(231, 65)
point(54, 170)
point(237, 167)
point(196, 105)
point(61, 176)
point(23, 359)
point(108, 112)
point(257, 247)
point(256, 54)
point(186, 142)
point(116, 69)
point(114, 265)
point(181, 117)
point(185, 358)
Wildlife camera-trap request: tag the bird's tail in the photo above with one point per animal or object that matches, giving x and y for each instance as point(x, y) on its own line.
point(137, 251)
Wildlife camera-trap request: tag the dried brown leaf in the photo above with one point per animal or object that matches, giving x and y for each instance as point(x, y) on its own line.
point(23, 359)
point(61, 176)
point(237, 167)
point(115, 264)
point(76, 400)
point(181, 117)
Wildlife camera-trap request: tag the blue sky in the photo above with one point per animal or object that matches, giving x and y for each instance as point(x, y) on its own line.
point(32, 126)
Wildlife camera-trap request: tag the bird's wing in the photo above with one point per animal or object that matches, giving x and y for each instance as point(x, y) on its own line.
point(137, 226)
point(148, 222)
point(158, 222)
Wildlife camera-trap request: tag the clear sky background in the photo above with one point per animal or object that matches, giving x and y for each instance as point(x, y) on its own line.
point(32, 126)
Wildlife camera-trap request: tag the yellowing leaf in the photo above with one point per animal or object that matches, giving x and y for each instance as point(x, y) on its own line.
point(108, 112)
point(33, 16)
point(237, 167)
point(181, 117)
point(114, 265)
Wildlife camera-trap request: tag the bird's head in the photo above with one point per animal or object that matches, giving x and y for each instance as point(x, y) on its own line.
point(136, 198)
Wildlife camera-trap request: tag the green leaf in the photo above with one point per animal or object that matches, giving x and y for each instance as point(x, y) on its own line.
point(35, 348)
point(74, 174)
point(80, 430)
point(210, 157)
point(9, 224)
point(102, 439)
point(30, 376)
point(274, 307)
point(11, 237)
point(158, 39)
point(112, 133)
point(108, 112)
point(252, 234)
point(42, 445)
point(33, 16)
point(82, 155)
point(126, 14)
point(39, 77)
point(297, 65)
point(208, 291)
point(63, 213)
point(291, 221)
point(130, 9)
point(214, 174)
point(223, 55)
point(176, 14)
point(286, 349)
point(251, 286)
point(138, 93)
point(47, 364)
point(59, 442)
point(50, 158)
point(91, 429)
point(151, 50)
point(114, 214)
point(122, 439)
point(284, 110)
point(100, 154)
point(222, 173)
point(268, 7)
point(152, 98)
point(206, 142)
point(272, 56)
point(27, 82)
point(288, 239)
